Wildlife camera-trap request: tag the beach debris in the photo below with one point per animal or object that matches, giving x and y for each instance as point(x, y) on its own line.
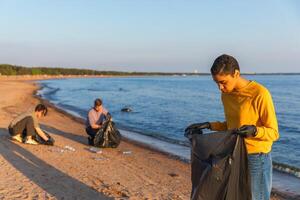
point(126, 109)
point(127, 152)
point(67, 147)
point(95, 150)
point(173, 174)
point(100, 158)
point(56, 150)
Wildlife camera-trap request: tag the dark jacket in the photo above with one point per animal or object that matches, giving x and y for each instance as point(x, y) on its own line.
point(219, 167)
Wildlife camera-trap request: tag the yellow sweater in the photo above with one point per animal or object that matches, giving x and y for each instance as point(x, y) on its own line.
point(251, 105)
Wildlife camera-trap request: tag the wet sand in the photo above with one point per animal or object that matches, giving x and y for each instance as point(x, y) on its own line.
point(55, 172)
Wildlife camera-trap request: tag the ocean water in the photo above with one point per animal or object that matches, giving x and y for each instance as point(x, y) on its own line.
point(164, 106)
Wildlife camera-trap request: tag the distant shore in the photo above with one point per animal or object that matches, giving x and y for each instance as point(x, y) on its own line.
point(17, 71)
point(45, 77)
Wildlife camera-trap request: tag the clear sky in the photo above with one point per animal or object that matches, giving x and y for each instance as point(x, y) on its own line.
point(151, 35)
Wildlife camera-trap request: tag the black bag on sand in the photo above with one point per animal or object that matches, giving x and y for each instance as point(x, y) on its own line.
point(108, 135)
point(219, 167)
point(40, 140)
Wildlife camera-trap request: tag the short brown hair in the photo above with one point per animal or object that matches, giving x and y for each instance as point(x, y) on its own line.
point(225, 64)
point(41, 107)
point(97, 102)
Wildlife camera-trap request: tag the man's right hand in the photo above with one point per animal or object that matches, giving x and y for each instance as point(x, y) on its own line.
point(202, 125)
point(108, 116)
point(50, 141)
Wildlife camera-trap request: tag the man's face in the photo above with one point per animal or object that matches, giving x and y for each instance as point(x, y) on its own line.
point(225, 82)
point(39, 114)
point(98, 108)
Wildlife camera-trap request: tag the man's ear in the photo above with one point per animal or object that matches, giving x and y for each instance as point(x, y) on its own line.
point(236, 73)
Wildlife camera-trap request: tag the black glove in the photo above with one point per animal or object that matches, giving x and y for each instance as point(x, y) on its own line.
point(203, 125)
point(195, 129)
point(188, 133)
point(108, 116)
point(247, 131)
point(50, 141)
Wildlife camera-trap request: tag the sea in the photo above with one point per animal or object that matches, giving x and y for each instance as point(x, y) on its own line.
point(163, 106)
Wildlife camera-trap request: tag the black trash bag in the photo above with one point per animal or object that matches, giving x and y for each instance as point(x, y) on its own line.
point(219, 166)
point(40, 140)
point(108, 135)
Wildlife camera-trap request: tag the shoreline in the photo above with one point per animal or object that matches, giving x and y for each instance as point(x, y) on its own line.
point(150, 146)
point(278, 174)
point(124, 132)
point(142, 139)
point(171, 176)
point(163, 147)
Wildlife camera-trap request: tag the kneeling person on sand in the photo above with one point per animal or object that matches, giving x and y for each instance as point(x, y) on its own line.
point(26, 128)
point(96, 116)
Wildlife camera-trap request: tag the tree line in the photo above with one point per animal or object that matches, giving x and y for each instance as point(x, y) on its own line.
point(6, 69)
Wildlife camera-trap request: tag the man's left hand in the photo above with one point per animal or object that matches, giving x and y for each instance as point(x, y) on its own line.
point(247, 131)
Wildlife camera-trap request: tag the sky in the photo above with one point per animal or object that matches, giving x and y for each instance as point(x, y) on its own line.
point(151, 35)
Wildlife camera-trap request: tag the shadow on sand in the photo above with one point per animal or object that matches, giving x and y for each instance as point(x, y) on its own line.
point(78, 138)
point(50, 179)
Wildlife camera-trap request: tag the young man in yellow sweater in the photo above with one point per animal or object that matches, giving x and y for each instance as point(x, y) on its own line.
point(249, 108)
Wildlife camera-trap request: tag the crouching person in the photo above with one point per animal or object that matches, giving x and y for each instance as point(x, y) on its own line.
point(25, 128)
point(96, 116)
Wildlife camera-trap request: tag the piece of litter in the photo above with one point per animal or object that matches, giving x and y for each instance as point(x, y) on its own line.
point(69, 148)
point(99, 158)
point(127, 152)
point(57, 150)
point(173, 174)
point(95, 150)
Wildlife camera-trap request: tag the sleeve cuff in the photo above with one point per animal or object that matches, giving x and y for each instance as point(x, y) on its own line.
point(260, 132)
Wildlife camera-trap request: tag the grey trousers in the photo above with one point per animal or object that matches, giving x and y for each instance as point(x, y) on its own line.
point(24, 127)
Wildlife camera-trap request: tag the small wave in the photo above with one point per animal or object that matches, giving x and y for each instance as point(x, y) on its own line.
point(47, 90)
point(94, 90)
point(72, 109)
point(153, 135)
point(287, 169)
point(289, 129)
point(52, 92)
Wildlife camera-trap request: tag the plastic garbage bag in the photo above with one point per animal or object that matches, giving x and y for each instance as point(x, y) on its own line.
point(219, 167)
point(95, 150)
point(108, 135)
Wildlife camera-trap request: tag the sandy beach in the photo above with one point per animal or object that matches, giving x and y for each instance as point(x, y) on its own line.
point(56, 172)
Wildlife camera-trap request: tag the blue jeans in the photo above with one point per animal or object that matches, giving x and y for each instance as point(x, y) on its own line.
point(260, 166)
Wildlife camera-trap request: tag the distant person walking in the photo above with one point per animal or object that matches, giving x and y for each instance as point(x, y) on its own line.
point(249, 109)
point(95, 119)
point(25, 127)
